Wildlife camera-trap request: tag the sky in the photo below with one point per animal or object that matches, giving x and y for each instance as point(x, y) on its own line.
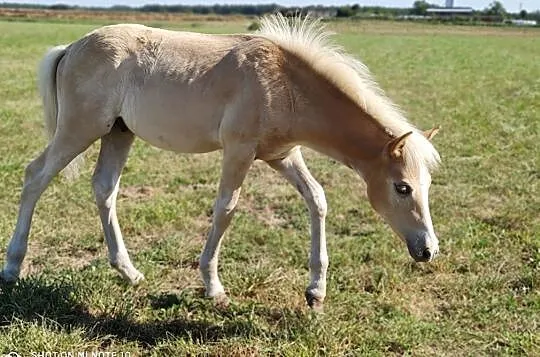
point(510, 5)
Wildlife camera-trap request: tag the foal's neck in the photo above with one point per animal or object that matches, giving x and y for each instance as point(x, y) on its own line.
point(331, 123)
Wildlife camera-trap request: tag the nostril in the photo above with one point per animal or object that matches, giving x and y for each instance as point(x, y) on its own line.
point(426, 254)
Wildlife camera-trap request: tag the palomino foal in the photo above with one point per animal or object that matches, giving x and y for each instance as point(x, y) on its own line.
point(257, 96)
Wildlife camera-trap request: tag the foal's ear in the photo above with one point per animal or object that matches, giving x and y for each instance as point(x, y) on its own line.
point(394, 148)
point(429, 134)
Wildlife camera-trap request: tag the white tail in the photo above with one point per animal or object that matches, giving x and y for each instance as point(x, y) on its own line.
point(48, 91)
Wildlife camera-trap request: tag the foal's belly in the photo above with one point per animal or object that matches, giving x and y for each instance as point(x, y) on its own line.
point(173, 122)
point(174, 134)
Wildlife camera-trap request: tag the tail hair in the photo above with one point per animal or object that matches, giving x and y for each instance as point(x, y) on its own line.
point(49, 95)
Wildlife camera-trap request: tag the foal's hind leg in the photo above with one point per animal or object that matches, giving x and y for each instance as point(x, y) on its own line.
point(112, 158)
point(236, 163)
point(39, 173)
point(294, 169)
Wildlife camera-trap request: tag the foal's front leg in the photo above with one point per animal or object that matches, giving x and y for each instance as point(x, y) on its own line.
point(294, 169)
point(236, 163)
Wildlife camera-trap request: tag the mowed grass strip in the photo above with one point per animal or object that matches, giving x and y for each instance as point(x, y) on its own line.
point(480, 297)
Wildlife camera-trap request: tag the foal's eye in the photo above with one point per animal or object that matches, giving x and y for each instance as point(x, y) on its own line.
point(403, 189)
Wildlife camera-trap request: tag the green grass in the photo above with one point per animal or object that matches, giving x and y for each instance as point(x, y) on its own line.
point(480, 297)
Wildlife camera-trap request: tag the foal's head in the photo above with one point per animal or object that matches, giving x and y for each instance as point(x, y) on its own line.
point(397, 185)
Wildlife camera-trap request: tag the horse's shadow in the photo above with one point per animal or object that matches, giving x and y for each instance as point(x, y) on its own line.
point(34, 300)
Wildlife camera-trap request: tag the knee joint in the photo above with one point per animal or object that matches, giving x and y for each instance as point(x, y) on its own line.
point(320, 207)
point(226, 205)
point(32, 177)
point(103, 189)
point(30, 170)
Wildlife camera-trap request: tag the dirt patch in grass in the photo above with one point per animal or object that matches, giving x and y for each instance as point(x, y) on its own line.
point(139, 192)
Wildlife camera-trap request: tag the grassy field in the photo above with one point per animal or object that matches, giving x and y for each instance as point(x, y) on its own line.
point(481, 297)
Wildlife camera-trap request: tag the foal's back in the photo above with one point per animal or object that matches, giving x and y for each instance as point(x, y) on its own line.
point(173, 89)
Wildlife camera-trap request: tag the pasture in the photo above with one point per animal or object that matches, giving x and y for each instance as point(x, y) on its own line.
point(480, 297)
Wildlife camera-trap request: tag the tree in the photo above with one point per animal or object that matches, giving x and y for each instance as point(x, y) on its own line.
point(420, 7)
point(496, 8)
point(523, 14)
point(345, 11)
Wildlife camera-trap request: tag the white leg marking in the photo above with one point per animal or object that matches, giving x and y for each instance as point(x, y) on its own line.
point(294, 169)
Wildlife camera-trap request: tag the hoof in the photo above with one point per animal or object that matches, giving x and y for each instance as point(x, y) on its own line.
point(314, 302)
point(139, 278)
point(221, 301)
point(9, 278)
point(130, 275)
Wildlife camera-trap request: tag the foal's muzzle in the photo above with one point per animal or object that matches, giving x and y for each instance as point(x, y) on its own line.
point(425, 255)
point(423, 249)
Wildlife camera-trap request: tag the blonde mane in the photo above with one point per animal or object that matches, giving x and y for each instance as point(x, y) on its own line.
point(307, 39)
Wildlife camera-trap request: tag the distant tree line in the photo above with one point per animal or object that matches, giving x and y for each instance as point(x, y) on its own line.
point(419, 8)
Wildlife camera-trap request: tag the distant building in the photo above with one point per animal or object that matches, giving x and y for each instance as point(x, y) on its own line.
point(450, 11)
